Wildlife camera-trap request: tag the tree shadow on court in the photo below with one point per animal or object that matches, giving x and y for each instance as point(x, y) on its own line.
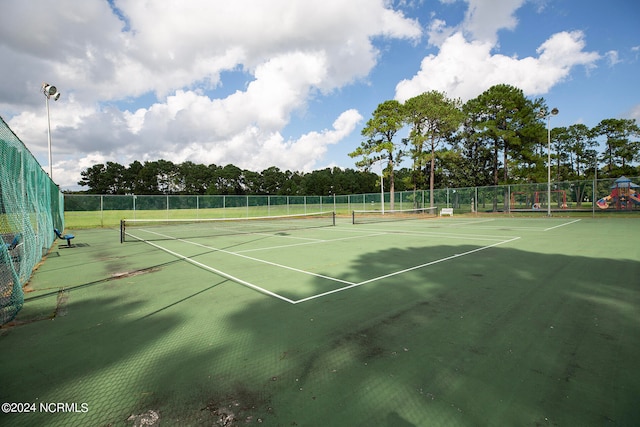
point(504, 337)
point(500, 337)
point(79, 352)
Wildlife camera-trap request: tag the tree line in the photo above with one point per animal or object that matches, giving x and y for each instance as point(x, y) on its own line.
point(499, 137)
point(166, 177)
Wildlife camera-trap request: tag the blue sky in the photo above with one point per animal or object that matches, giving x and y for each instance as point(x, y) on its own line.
point(291, 83)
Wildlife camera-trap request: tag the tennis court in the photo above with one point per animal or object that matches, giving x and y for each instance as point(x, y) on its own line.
point(300, 262)
point(462, 321)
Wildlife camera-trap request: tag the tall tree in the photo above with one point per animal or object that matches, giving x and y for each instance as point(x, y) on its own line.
point(620, 149)
point(506, 120)
point(273, 180)
point(294, 184)
point(230, 180)
point(583, 147)
point(105, 179)
point(433, 118)
point(195, 178)
point(576, 146)
point(472, 166)
point(381, 130)
point(94, 178)
point(133, 177)
point(167, 176)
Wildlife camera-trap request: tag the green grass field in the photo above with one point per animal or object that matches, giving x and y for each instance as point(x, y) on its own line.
point(463, 321)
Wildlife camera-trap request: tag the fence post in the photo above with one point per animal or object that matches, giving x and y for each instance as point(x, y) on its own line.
point(476, 199)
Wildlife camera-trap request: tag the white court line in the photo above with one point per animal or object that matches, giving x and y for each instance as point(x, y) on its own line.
point(438, 261)
point(561, 225)
point(223, 274)
point(402, 271)
point(286, 267)
point(323, 294)
point(318, 241)
point(471, 222)
point(492, 238)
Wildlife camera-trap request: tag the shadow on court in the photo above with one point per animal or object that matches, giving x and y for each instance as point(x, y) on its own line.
point(525, 334)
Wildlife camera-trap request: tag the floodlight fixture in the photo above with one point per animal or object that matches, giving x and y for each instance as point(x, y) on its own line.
point(50, 91)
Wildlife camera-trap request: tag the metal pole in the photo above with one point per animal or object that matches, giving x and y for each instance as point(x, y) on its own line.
point(382, 189)
point(548, 165)
point(49, 91)
point(595, 182)
point(49, 137)
point(547, 114)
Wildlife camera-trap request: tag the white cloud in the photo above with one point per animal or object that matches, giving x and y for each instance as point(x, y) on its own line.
point(484, 18)
point(289, 52)
point(464, 69)
point(439, 32)
point(179, 132)
point(613, 57)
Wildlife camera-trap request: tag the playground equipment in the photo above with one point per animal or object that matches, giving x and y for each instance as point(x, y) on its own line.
point(539, 199)
point(561, 193)
point(623, 195)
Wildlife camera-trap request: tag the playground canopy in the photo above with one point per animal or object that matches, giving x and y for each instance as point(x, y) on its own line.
point(624, 182)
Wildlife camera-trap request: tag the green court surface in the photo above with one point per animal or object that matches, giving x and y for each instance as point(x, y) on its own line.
point(463, 321)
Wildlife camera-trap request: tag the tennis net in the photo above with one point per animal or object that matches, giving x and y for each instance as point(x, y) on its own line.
point(370, 216)
point(167, 229)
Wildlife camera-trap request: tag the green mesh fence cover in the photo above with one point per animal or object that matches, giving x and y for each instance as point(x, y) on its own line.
point(31, 205)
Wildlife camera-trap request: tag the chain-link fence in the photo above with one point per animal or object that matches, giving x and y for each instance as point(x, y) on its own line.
point(83, 210)
point(31, 205)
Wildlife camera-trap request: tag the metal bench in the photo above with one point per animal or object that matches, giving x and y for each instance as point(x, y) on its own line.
point(66, 237)
point(12, 248)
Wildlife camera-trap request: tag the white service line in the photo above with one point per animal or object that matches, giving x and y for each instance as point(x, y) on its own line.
point(467, 222)
point(221, 273)
point(561, 225)
point(318, 241)
point(437, 261)
point(286, 267)
point(349, 284)
point(402, 271)
point(413, 233)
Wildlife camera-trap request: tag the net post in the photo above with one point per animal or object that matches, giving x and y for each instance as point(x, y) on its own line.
point(122, 231)
point(334, 218)
point(353, 217)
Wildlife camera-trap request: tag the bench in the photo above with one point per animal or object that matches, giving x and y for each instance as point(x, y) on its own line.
point(12, 248)
point(66, 237)
point(446, 211)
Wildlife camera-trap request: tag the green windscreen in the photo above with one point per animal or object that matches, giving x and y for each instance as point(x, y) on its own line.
point(31, 205)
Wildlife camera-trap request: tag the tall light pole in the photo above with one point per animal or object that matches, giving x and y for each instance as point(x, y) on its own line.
point(381, 181)
point(49, 92)
point(544, 113)
point(382, 188)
